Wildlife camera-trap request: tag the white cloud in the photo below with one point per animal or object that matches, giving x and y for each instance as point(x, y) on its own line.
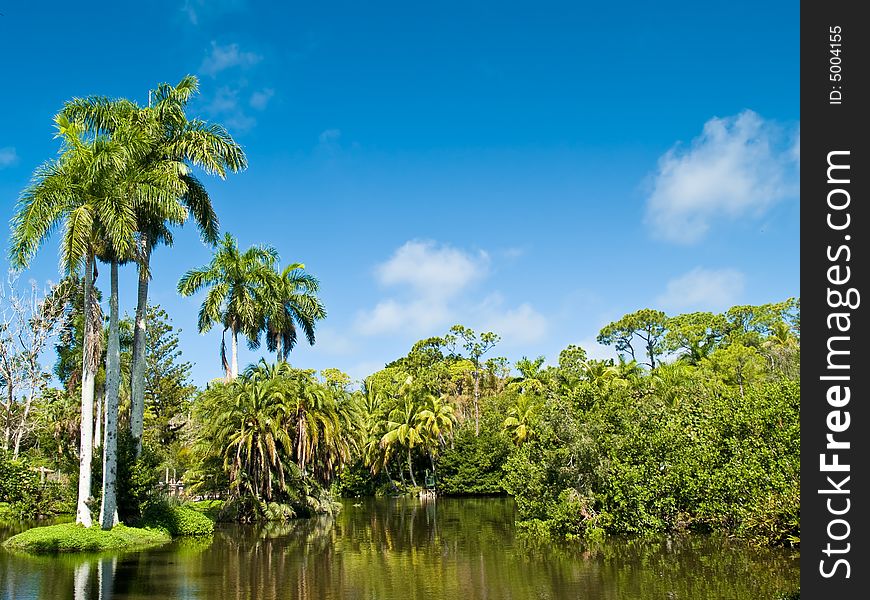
point(8, 157)
point(329, 141)
point(334, 343)
point(433, 286)
point(739, 166)
point(517, 326)
point(226, 106)
point(260, 99)
point(429, 279)
point(702, 289)
point(432, 271)
point(226, 57)
point(417, 317)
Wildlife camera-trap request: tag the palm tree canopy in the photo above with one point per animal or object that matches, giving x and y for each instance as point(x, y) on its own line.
point(234, 280)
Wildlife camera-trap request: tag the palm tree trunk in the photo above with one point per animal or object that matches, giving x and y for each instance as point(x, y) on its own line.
point(113, 384)
point(137, 368)
point(98, 421)
point(476, 401)
point(411, 469)
point(86, 443)
point(235, 366)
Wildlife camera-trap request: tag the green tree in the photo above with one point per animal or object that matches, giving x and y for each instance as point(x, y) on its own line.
point(521, 416)
point(436, 422)
point(646, 325)
point(79, 190)
point(291, 301)
point(475, 346)
point(176, 142)
point(234, 280)
point(694, 335)
point(168, 389)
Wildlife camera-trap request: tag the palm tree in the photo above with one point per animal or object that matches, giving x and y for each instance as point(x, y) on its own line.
point(520, 418)
point(71, 190)
point(436, 422)
point(234, 279)
point(172, 138)
point(248, 425)
point(136, 186)
point(403, 429)
point(290, 301)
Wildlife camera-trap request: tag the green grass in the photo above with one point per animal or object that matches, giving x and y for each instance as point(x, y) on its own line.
point(72, 537)
point(177, 521)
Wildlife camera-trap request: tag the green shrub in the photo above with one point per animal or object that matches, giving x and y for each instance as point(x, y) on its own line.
point(473, 465)
point(636, 461)
point(356, 480)
point(177, 521)
point(72, 537)
point(20, 486)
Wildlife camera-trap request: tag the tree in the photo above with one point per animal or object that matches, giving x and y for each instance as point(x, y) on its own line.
point(234, 280)
point(168, 389)
point(28, 322)
point(521, 416)
point(176, 141)
point(72, 190)
point(436, 422)
point(476, 347)
point(403, 429)
point(647, 325)
point(290, 300)
point(694, 335)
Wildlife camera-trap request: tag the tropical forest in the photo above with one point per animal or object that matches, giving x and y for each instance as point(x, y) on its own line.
point(670, 468)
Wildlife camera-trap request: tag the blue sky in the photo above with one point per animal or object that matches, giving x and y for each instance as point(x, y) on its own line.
point(538, 169)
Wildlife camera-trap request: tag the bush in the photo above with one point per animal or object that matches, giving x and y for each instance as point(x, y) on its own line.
point(72, 537)
point(213, 509)
point(637, 462)
point(28, 498)
point(356, 480)
point(177, 521)
point(473, 466)
point(138, 477)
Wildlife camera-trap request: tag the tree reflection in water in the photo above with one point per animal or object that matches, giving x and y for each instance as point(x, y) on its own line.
point(408, 549)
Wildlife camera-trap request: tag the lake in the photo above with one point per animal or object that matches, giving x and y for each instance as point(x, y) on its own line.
point(392, 549)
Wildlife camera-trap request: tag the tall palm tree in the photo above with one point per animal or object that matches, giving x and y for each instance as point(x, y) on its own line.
point(234, 280)
point(403, 429)
point(290, 301)
point(68, 191)
point(172, 137)
point(134, 186)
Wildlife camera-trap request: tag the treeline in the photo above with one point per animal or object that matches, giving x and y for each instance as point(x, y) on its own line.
point(701, 433)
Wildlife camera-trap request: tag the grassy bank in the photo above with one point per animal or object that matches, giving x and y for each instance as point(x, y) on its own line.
point(72, 537)
point(161, 523)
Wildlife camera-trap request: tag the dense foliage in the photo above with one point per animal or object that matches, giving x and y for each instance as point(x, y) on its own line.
point(274, 436)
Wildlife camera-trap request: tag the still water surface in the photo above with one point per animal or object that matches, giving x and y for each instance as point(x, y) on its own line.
point(407, 549)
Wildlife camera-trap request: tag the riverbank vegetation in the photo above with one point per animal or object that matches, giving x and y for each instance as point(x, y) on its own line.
point(693, 426)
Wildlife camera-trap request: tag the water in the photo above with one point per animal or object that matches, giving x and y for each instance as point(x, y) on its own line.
point(404, 550)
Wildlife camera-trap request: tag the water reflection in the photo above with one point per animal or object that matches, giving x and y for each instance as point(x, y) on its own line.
point(407, 549)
